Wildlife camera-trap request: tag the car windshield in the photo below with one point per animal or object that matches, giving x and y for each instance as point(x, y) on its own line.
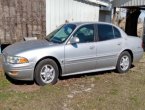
point(61, 34)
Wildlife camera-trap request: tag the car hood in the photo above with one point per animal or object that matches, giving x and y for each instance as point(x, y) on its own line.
point(27, 46)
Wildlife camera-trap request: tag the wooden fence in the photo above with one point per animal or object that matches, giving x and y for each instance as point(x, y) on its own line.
point(21, 18)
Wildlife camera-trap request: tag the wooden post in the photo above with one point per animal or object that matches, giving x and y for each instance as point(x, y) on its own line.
point(144, 35)
point(114, 15)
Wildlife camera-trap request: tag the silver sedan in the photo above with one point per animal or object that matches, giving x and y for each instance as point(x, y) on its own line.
point(74, 48)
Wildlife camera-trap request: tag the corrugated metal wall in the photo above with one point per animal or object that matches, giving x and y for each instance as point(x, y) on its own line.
point(119, 3)
point(105, 16)
point(58, 11)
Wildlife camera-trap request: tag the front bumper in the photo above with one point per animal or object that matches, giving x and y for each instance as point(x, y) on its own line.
point(19, 71)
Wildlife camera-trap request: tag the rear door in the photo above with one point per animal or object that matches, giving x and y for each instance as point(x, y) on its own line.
point(108, 46)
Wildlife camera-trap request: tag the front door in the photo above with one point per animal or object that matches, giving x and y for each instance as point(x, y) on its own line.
point(80, 57)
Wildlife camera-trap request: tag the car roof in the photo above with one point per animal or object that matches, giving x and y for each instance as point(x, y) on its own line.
point(82, 23)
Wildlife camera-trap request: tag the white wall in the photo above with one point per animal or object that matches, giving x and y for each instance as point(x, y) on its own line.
point(58, 11)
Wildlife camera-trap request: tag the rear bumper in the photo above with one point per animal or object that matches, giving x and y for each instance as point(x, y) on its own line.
point(19, 71)
point(138, 56)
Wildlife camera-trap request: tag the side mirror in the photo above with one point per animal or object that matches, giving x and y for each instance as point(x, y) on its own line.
point(74, 40)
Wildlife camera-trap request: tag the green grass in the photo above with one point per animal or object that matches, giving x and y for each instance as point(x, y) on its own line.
point(4, 83)
point(108, 91)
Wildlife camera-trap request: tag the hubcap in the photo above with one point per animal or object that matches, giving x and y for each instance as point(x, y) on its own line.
point(124, 63)
point(47, 74)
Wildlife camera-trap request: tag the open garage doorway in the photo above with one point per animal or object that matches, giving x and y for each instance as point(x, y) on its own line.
point(132, 21)
point(133, 11)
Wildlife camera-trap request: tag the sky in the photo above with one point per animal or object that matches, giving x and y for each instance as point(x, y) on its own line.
point(142, 16)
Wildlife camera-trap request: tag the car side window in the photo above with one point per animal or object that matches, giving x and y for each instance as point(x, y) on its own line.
point(85, 33)
point(117, 33)
point(105, 32)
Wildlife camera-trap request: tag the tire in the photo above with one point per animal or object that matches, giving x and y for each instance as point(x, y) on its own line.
point(124, 62)
point(46, 72)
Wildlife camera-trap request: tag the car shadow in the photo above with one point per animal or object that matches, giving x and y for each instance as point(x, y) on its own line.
point(90, 74)
point(61, 78)
point(18, 82)
point(132, 66)
point(85, 75)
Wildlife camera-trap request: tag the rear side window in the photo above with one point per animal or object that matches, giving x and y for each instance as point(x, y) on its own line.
point(105, 32)
point(117, 33)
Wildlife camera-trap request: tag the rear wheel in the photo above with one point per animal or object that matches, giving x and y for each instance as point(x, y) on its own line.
point(124, 62)
point(46, 72)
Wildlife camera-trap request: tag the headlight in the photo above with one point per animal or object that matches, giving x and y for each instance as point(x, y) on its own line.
point(16, 60)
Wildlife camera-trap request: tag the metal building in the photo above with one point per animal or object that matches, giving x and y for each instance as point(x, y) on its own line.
point(105, 14)
point(129, 3)
point(60, 11)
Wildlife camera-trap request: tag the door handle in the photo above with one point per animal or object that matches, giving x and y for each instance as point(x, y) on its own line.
point(92, 47)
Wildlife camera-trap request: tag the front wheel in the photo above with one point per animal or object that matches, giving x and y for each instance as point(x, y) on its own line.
point(124, 62)
point(46, 72)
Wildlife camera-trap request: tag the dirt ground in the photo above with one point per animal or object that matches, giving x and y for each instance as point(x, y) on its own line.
point(96, 91)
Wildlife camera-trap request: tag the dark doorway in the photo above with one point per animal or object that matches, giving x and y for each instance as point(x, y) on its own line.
point(132, 21)
point(3, 46)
